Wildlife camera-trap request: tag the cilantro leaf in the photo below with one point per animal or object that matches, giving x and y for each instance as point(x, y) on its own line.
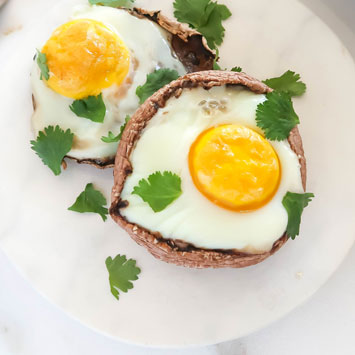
point(213, 30)
point(294, 204)
point(121, 273)
point(193, 12)
point(42, 63)
point(111, 138)
point(154, 82)
point(216, 66)
point(92, 107)
point(52, 145)
point(276, 116)
point(113, 3)
point(205, 16)
point(237, 69)
point(90, 200)
point(160, 190)
point(287, 82)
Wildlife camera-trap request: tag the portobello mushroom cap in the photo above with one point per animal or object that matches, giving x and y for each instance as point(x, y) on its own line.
point(174, 250)
point(188, 45)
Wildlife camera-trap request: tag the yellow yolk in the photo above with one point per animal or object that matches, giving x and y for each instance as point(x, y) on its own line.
point(234, 167)
point(84, 57)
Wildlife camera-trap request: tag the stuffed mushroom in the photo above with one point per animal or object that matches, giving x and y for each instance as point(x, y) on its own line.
point(85, 77)
point(199, 182)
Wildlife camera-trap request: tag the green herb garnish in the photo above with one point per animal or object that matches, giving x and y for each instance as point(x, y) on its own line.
point(92, 107)
point(154, 82)
point(294, 204)
point(90, 200)
point(276, 116)
point(288, 82)
point(159, 190)
point(216, 66)
point(42, 64)
point(111, 138)
point(121, 273)
point(205, 16)
point(237, 69)
point(52, 145)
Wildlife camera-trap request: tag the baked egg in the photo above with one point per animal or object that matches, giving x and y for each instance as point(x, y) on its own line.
point(230, 210)
point(101, 50)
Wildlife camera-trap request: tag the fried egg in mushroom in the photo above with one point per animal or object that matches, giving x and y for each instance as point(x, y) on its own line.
point(233, 180)
point(100, 50)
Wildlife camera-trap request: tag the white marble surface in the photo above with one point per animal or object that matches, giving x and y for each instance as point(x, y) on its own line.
point(325, 325)
point(29, 325)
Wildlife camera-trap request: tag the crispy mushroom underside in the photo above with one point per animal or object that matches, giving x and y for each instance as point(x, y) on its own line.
point(189, 46)
point(176, 251)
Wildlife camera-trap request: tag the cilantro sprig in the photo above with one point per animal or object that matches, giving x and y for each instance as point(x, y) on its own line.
point(276, 116)
point(42, 64)
point(92, 107)
point(52, 145)
point(113, 3)
point(159, 190)
point(216, 66)
point(205, 16)
point(294, 204)
point(237, 69)
point(90, 200)
point(154, 82)
point(111, 138)
point(289, 82)
point(121, 273)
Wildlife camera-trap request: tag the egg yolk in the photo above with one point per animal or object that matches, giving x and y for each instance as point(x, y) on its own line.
point(234, 167)
point(84, 57)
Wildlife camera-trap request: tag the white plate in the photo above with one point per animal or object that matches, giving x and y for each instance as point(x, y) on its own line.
point(63, 253)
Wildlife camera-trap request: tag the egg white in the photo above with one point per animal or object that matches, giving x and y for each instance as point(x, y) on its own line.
point(165, 144)
point(149, 49)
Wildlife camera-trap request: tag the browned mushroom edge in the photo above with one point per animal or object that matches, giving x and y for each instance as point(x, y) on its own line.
point(189, 46)
point(176, 251)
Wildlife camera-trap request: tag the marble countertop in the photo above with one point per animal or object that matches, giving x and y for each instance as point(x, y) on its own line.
point(30, 325)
